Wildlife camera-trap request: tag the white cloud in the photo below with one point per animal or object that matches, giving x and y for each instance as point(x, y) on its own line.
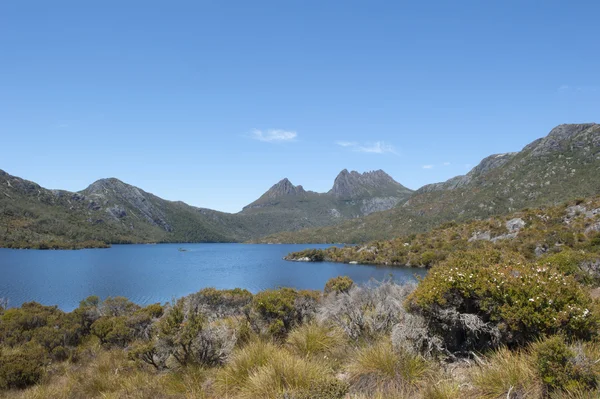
point(569, 88)
point(428, 166)
point(273, 135)
point(377, 147)
point(346, 143)
point(446, 164)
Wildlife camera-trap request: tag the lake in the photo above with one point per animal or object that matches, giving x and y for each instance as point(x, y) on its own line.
point(159, 273)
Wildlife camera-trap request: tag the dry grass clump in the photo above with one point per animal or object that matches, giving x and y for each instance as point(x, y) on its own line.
point(318, 341)
point(378, 367)
point(264, 370)
point(245, 361)
point(507, 374)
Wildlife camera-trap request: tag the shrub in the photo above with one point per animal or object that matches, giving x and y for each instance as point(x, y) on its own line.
point(146, 352)
point(117, 306)
point(477, 299)
point(561, 369)
point(379, 367)
point(366, 311)
point(429, 258)
point(412, 335)
point(22, 367)
point(88, 312)
point(112, 331)
point(190, 339)
point(18, 325)
point(583, 266)
point(217, 304)
point(339, 284)
point(277, 311)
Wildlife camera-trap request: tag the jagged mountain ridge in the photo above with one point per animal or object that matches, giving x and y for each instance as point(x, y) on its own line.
point(559, 167)
point(353, 195)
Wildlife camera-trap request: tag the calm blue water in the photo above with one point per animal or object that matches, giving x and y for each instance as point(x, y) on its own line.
point(159, 273)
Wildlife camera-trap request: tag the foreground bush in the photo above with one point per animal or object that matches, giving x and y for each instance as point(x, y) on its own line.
point(21, 367)
point(563, 369)
point(366, 311)
point(338, 284)
point(275, 312)
point(481, 299)
point(189, 338)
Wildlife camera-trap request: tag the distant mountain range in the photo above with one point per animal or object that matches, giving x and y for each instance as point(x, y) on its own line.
point(112, 211)
point(359, 207)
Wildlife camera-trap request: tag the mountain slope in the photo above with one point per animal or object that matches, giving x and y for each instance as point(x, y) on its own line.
point(107, 211)
point(111, 211)
point(559, 167)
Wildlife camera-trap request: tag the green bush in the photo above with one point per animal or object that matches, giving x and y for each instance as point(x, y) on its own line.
point(571, 263)
point(17, 325)
point(186, 335)
point(21, 368)
point(338, 284)
point(277, 311)
point(112, 331)
point(559, 367)
point(118, 306)
point(519, 300)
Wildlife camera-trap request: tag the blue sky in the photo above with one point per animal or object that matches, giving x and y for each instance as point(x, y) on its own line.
point(212, 102)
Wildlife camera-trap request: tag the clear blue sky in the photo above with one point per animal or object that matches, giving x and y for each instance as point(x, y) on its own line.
point(212, 102)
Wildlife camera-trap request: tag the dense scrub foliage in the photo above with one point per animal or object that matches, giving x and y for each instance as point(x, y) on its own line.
point(378, 340)
point(480, 299)
point(514, 318)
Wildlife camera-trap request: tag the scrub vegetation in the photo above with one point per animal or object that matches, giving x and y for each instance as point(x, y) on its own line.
point(514, 317)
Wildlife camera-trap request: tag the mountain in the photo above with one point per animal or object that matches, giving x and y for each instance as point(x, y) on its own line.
point(559, 167)
point(286, 207)
point(107, 211)
point(111, 211)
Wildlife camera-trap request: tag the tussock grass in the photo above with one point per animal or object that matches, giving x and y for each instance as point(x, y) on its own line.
point(264, 370)
point(283, 373)
point(317, 340)
point(437, 388)
point(379, 367)
point(244, 362)
point(507, 374)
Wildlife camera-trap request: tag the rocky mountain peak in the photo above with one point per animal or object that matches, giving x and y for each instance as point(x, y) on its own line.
point(351, 185)
point(564, 136)
point(102, 186)
point(284, 188)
